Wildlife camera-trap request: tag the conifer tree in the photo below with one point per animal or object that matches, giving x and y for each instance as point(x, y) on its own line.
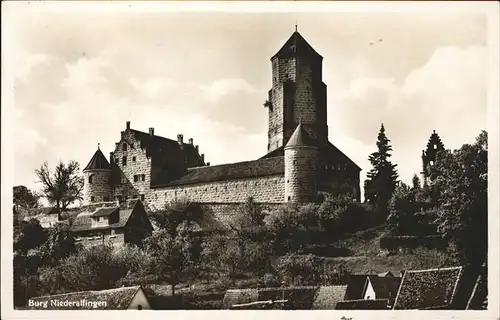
point(382, 179)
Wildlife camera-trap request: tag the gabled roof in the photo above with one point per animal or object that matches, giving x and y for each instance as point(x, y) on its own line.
point(384, 287)
point(296, 45)
point(83, 221)
point(299, 138)
point(356, 286)
point(98, 162)
point(116, 299)
point(361, 304)
point(327, 297)
point(238, 170)
point(423, 289)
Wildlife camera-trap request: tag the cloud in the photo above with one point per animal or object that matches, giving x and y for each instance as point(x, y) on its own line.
point(447, 93)
point(223, 87)
point(153, 87)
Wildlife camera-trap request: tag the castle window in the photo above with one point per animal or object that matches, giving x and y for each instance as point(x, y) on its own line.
point(345, 167)
point(289, 198)
point(133, 159)
point(124, 147)
point(106, 199)
point(136, 178)
point(338, 167)
point(142, 197)
point(91, 178)
point(92, 199)
point(432, 163)
point(435, 146)
point(294, 161)
point(288, 181)
point(124, 161)
point(143, 177)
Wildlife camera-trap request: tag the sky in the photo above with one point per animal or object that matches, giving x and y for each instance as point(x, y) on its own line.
point(79, 76)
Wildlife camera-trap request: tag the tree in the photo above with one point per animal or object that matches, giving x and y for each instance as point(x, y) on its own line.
point(383, 177)
point(25, 198)
point(62, 187)
point(172, 257)
point(401, 210)
point(59, 245)
point(175, 213)
point(462, 177)
point(297, 269)
point(28, 235)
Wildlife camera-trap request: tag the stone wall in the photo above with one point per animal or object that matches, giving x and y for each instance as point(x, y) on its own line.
point(137, 167)
point(300, 174)
point(95, 238)
point(220, 215)
point(264, 189)
point(100, 189)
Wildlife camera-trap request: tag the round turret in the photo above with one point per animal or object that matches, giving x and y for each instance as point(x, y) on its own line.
point(301, 168)
point(97, 175)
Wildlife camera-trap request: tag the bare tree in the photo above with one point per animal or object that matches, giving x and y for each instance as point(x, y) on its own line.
point(62, 187)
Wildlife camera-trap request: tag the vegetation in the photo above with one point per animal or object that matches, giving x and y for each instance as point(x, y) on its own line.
point(24, 198)
point(62, 187)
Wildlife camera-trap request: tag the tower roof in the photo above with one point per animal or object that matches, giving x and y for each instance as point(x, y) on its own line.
point(299, 138)
point(98, 162)
point(296, 45)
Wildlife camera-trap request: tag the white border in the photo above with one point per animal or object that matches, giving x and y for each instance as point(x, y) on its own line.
point(11, 9)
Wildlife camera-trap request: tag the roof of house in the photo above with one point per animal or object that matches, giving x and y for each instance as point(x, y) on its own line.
point(239, 170)
point(98, 162)
point(385, 287)
point(356, 286)
point(118, 298)
point(299, 138)
point(479, 297)
point(327, 297)
point(239, 296)
point(361, 304)
point(104, 212)
point(430, 288)
point(83, 221)
point(296, 45)
point(386, 274)
point(262, 305)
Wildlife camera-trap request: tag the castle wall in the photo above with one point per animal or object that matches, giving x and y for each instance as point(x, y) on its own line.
point(126, 187)
point(99, 190)
point(263, 189)
point(300, 174)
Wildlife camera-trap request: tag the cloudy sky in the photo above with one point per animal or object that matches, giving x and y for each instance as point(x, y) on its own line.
point(80, 76)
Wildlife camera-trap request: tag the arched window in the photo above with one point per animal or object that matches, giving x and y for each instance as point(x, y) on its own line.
point(91, 178)
point(139, 307)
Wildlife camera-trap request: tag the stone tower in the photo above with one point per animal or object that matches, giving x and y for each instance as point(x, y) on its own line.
point(97, 183)
point(298, 94)
point(429, 155)
point(301, 167)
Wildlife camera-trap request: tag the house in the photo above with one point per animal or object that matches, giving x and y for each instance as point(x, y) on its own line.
point(377, 287)
point(428, 289)
point(356, 286)
point(114, 225)
point(112, 299)
point(361, 304)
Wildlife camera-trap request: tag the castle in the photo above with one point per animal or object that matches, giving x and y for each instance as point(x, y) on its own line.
point(300, 164)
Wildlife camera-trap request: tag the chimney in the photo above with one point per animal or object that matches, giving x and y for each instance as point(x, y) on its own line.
point(202, 157)
point(208, 163)
point(180, 139)
point(151, 131)
point(116, 144)
point(128, 125)
point(190, 141)
point(196, 146)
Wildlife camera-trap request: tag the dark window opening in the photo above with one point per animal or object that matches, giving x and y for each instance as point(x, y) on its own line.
point(92, 199)
point(124, 147)
point(133, 159)
point(139, 307)
point(294, 161)
point(289, 198)
point(142, 197)
point(106, 199)
point(91, 178)
point(136, 178)
point(143, 177)
point(124, 161)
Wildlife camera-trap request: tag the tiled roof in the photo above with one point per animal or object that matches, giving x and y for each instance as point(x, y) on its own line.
point(104, 212)
point(385, 287)
point(98, 162)
point(239, 296)
point(327, 297)
point(239, 170)
point(83, 222)
point(356, 286)
point(361, 304)
point(116, 299)
point(296, 45)
point(433, 288)
point(386, 274)
point(299, 138)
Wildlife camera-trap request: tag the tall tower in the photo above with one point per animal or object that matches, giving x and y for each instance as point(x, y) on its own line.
point(301, 167)
point(429, 155)
point(97, 183)
point(298, 94)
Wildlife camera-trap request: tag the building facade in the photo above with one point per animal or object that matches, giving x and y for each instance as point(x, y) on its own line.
point(300, 163)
